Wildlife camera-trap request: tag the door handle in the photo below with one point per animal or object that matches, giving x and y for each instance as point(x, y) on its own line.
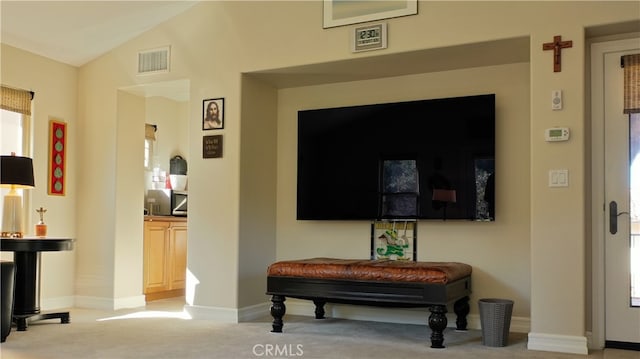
point(613, 217)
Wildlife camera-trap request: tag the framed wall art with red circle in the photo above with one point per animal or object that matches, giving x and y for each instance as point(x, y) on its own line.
point(57, 157)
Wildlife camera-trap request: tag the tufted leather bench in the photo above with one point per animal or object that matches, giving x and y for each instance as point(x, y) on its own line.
point(384, 283)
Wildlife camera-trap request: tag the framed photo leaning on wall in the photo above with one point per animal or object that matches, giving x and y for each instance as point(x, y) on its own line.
point(394, 239)
point(213, 114)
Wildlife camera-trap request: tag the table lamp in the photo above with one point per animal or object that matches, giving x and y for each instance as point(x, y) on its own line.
point(16, 172)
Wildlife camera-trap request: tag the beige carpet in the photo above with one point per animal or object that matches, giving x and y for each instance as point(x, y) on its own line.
point(89, 335)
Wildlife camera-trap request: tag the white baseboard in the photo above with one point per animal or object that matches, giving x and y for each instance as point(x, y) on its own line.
point(103, 303)
point(129, 302)
point(518, 324)
point(558, 343)
point(254, 312)
point(229, 315)
point(217, 314)
point(57, 303)
point(417, 316)
point(94, 302)
point(224, 315)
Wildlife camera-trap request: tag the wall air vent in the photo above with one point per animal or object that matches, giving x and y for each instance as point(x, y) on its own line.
point(154, 61)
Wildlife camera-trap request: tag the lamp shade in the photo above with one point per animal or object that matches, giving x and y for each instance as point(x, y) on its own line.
point(444, 195)
point(16, 171)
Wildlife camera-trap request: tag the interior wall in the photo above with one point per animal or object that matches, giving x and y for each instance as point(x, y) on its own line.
point(258, 199)
point(172, 118)
point(214, 42)
point(475, 243)
point(127, 265)
point(232, 48)
point(96, 218)
point(557, 215)
point(56, 89)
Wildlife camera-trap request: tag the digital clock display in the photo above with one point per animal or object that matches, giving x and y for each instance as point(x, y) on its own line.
point(371, 37)
point(555, 133)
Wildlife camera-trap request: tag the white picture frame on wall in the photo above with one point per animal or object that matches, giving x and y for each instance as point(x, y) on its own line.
point(340, 12)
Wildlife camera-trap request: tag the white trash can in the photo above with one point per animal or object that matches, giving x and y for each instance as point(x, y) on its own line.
point(495, 320)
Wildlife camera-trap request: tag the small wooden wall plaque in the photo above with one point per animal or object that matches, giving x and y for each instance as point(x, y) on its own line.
point(212, 146)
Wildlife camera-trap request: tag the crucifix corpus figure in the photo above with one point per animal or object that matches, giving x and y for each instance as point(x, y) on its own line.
point(557, 45)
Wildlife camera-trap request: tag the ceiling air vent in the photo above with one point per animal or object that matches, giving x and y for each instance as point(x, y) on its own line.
point(152, 61)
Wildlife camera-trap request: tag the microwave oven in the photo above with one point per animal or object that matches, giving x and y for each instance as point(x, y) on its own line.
point(166, 202)
point(179, 203)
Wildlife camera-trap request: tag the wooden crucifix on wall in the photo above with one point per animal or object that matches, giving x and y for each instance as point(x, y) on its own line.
point(557, 45)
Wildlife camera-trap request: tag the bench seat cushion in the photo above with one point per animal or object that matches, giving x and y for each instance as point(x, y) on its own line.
point(371, 270)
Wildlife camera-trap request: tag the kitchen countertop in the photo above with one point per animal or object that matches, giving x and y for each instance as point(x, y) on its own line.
point(165, 219)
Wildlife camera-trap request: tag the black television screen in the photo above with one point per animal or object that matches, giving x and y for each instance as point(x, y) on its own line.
point(426, 159)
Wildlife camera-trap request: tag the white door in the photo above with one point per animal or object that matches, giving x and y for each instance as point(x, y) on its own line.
point(622, 210)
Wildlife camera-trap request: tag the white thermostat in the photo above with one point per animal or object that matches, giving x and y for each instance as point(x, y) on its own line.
point(555, 134)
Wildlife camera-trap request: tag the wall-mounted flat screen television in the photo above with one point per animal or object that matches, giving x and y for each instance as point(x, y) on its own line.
point(425, 159)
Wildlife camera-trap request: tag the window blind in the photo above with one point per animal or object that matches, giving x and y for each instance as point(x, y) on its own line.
point(631, 64)
point(16, 100)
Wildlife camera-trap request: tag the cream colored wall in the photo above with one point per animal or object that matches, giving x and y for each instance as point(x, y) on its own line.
point(217, 51)
point(56, 90)
point(172, 118)
point(257, 241)
point(498, 251)
point(129, 185)
point(133, 112)
point(96, 218)
point(215, 42)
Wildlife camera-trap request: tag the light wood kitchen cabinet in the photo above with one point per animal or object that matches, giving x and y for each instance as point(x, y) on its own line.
point(177, 255)
point(165, 257)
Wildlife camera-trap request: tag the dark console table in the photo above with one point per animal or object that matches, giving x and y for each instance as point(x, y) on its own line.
point(26, 255)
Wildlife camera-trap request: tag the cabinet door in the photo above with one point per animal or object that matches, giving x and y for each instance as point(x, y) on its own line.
point(178, 251)
point(156, 250)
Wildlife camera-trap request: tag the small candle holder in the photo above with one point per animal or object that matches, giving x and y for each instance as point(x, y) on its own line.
point(41, 227)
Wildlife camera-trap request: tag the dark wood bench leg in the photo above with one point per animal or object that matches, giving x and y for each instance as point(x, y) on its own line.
point(319, 308)
point(461, 308)
point(437, 323)
point(278, 309)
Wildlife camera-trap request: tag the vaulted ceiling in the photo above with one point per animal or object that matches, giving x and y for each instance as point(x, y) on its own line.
point(76, 32)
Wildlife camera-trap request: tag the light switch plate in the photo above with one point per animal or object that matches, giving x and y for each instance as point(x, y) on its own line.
point(559, 178)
